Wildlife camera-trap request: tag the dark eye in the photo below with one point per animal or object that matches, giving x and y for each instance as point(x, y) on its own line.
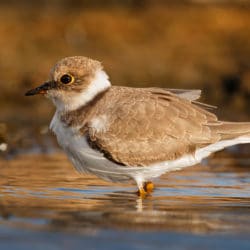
point(66, 79)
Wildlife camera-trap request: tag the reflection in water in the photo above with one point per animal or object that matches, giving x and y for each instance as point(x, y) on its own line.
point(45, 193)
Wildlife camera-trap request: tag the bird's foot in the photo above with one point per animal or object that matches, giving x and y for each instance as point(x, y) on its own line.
point(146, 189)
point(148, 186)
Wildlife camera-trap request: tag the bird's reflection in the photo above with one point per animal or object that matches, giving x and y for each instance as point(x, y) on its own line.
point(147, 215)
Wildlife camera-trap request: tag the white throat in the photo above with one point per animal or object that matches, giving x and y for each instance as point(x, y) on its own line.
point(72, 101)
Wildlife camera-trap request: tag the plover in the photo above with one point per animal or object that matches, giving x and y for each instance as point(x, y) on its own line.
point(123, 133)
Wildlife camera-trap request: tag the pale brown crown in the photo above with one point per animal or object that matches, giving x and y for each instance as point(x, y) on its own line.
point(83, 70)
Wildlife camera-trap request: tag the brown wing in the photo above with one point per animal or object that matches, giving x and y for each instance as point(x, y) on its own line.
point(146, 126)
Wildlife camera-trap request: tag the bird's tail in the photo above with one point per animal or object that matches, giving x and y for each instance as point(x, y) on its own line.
point(232, 130)
point(227, 134)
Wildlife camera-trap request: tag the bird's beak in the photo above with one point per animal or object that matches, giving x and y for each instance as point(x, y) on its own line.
point(41, 89)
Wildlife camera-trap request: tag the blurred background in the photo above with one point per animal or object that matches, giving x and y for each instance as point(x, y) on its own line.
point(193, 44)
point(201, 44)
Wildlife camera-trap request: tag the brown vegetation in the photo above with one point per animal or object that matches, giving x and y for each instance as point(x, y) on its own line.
point(186, 45)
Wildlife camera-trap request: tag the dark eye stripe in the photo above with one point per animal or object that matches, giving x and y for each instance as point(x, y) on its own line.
point(66, 79)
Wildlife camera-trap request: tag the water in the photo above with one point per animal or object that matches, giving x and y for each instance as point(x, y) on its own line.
point(45, 204)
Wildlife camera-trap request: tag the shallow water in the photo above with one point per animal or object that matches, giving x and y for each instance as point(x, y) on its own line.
point(46, 204)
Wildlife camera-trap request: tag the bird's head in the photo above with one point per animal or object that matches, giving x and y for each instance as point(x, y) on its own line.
point(73, 82)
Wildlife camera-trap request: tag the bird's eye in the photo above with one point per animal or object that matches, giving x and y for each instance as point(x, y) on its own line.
point(66, 79)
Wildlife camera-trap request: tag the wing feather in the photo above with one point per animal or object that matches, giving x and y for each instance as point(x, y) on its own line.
point(146, 126)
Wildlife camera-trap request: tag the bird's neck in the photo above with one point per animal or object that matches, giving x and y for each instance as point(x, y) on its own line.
point(82, 115)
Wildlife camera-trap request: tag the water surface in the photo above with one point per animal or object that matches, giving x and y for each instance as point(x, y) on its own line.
point(46, 204)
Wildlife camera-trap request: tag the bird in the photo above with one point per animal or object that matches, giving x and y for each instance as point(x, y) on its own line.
point(129, 134)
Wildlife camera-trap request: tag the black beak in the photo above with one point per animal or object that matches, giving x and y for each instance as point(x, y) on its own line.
point(41, 89)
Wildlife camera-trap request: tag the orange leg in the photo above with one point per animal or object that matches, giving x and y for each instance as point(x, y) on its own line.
point(145, 189)
point(148, 186)
point(141, 192)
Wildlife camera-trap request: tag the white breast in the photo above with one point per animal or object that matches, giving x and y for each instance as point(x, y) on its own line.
point(68, 138)
point(85, 158)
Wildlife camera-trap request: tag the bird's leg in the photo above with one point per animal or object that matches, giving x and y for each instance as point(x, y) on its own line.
point(141, 192)
point(145, 188)
point(148, 186)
